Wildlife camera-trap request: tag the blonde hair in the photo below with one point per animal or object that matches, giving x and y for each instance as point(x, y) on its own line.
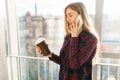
point(87, 22)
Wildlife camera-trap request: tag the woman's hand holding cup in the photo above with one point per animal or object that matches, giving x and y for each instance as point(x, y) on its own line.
point(39, 51)
point(42, 47)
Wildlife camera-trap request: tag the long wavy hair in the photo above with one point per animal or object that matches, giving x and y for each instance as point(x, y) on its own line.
point(87, 22)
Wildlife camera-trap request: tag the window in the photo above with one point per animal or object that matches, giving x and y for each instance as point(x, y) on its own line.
point(109, 18)
point(36, 18)
point(110, 26)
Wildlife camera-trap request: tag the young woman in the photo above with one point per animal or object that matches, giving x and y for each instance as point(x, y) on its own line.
point(79, 46)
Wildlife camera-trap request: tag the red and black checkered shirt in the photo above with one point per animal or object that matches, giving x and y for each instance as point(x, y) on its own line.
point(75, 57)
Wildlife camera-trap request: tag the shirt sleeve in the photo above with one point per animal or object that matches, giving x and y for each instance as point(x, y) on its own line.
point(80, 52)
point(55, 58)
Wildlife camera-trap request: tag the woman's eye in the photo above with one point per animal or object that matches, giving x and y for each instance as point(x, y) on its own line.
point(70, 16)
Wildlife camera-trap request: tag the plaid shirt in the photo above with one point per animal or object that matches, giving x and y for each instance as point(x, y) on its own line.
point(76, 57)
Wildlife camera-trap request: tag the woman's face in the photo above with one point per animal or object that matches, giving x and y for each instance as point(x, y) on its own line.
point(71, 16)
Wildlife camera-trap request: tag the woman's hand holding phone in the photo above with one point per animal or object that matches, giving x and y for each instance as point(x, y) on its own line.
point(79, 21)
point(76, 27)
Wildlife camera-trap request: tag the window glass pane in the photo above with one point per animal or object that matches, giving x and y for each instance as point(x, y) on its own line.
point(110, 26)
point(110, 39)
point(109, 69)
point(46, 7)
point(42, 18)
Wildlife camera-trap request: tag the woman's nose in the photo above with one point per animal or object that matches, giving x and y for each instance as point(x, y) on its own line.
point(68, 19)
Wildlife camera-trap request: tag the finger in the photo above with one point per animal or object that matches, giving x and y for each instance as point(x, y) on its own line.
point(76, 24)
point(79, 25)
point(40, 51)
point(71, 26)
point(41, 55)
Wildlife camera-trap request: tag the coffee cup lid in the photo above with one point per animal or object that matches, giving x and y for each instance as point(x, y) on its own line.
point(39, 40)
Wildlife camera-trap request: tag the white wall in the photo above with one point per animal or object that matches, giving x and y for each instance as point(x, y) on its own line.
point(3, 60)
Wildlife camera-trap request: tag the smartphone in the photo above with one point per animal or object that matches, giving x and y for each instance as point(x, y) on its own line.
point(79, 18)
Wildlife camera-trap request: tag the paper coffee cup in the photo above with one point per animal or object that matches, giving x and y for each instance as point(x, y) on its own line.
point(40, 42)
